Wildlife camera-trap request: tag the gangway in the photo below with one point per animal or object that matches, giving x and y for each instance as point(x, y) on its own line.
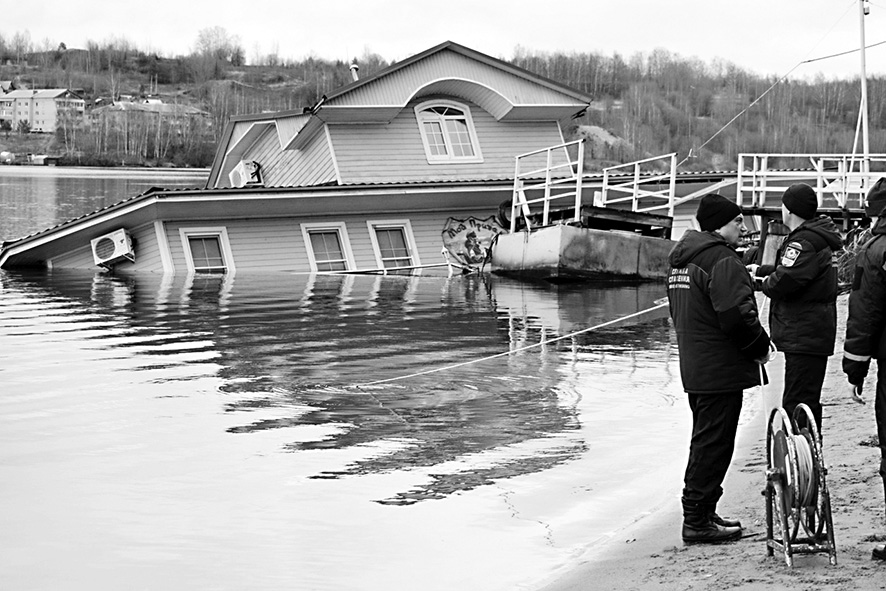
point(841, 181)
point(548, 185)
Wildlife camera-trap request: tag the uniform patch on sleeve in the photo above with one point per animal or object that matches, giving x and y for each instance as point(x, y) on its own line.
point(791, 253)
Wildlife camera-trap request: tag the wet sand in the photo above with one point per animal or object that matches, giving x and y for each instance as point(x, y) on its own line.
point(650, 556)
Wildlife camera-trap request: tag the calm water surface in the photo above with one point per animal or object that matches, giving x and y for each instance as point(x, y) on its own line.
point(34, 198)
point(325, 432)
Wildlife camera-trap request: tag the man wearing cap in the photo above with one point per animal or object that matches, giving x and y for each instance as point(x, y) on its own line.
point(866, 323)
point(803, 288)
point(721, 344)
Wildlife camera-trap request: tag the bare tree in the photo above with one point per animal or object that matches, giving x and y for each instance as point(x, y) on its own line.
point(21, 45)
point(217, 42)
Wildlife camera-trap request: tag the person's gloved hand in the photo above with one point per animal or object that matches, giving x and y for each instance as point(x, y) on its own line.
point(770, 355)
point(756, 280)
point(856, 371)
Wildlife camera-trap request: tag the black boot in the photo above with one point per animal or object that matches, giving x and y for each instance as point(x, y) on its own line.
point(699, 528)
point(883, 475)
point(722, 521)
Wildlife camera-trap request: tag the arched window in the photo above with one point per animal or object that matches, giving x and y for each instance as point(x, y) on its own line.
point(447, 131)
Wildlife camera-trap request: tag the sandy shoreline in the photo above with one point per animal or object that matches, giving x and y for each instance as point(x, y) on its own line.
point(650, 556)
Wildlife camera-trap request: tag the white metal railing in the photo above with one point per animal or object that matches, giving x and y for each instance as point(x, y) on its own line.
point(549, 175)
point(635, 189)
point(840, 180)
point(555, 174)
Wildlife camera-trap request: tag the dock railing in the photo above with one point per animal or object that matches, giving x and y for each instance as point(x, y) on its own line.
point(640, 184)
point(550, 178)
point(552, 172)
point(841, 181)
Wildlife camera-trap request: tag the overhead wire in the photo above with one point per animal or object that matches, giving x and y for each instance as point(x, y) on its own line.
point(779, 81)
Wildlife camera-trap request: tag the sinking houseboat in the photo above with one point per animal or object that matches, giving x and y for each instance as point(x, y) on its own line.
point(402, 171)
point(384, 174)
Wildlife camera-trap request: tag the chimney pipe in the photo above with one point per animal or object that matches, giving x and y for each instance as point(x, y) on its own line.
point(354, 68)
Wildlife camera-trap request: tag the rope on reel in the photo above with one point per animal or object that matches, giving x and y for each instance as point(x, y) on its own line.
point(805, 472)
point(798, 505)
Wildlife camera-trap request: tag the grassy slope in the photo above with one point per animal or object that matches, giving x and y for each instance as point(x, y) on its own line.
point(36, 143)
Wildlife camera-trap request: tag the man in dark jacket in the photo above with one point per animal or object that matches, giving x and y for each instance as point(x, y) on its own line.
point(721, 344)
point(803, 288)
point(866, 323)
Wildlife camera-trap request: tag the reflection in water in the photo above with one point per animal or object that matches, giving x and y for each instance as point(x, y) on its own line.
point(292, 356)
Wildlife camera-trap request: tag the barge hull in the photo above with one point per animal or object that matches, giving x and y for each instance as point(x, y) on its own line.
point(564, 253)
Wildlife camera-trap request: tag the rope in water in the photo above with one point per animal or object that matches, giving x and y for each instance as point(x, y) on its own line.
point(560, 338)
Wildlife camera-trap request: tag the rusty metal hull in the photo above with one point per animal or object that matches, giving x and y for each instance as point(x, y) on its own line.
point(567, 253)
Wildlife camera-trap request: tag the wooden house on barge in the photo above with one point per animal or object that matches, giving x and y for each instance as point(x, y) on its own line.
point(384, 174)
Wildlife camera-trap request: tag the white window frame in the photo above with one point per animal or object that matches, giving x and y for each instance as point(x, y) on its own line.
point(448, 158)
point(338, 227)
point(219, 232)
point(403, 224)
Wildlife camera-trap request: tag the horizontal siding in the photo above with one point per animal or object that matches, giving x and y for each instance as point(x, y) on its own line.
point(256, 245)
point(312, 165)
point(398, 87)
point(361, 244)
point(260, 245)
point(394, 152)
point(147, 253)
point(80, 258)
point(292, 168)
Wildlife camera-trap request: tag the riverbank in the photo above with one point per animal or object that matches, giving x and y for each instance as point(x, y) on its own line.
point(100, 172)
point(649, 555)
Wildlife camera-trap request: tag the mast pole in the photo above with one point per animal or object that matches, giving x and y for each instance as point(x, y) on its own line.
point(864, 9)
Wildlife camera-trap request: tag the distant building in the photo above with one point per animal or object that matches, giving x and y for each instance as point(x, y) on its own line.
point(126, 112)
point(40, 108)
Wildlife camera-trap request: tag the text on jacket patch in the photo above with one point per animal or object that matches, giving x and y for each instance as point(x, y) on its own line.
point(678, 278)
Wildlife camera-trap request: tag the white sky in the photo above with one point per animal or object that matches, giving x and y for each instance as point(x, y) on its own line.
point(767, 37)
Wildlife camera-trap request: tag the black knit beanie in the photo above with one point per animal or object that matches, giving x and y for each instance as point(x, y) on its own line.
point(876, 201)
point(715, 211)
point(800, 199)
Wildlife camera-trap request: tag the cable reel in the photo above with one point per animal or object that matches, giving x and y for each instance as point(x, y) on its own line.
point(797, 499)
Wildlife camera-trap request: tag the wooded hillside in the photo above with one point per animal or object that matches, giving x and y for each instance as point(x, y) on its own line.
point(646, 105)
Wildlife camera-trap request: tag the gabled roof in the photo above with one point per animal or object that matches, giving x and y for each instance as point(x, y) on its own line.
point(467, 52)
point(41, 93)
point(507, 92)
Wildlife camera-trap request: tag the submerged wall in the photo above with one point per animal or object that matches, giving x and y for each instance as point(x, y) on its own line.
point(562, 253)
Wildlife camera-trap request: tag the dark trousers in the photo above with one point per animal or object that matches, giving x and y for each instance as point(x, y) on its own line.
point(880, 413)
point(714, 423)
point(803, 378)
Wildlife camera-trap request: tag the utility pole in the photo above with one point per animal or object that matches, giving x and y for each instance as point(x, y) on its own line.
point(863, 9)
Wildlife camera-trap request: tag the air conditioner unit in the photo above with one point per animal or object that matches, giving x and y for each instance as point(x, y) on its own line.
point(113, 248)
point(247, 173)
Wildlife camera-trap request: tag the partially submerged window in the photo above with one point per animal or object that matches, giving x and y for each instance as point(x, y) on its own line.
point(394, 244)
point(447, 132)
point(207, 250)
point(328, 247)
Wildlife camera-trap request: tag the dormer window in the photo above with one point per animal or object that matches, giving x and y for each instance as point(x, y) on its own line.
point(447, 132)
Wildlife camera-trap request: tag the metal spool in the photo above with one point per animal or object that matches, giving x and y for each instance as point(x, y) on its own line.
point(798, 505)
